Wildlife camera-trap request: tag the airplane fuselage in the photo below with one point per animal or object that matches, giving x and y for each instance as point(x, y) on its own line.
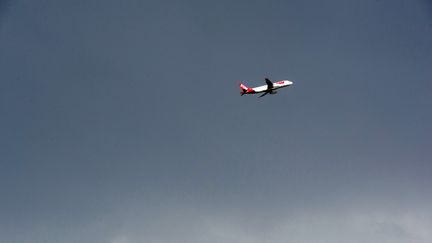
point(269, 88)
point(276, 85)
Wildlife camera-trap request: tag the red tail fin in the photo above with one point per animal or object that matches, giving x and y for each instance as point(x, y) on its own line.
point(245, 89)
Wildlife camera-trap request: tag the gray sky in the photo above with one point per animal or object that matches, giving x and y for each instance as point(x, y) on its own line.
point(121, 121)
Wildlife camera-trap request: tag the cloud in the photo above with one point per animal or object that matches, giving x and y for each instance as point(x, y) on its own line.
point(120, 239)
point(307, 227)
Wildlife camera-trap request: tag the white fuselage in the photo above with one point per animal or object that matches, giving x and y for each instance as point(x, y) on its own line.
point(276, 85)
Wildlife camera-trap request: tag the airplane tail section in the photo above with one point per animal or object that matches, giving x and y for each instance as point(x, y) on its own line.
point(245, 89)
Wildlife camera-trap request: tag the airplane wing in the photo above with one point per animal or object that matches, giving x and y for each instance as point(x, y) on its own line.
point(269, 83)
point(263, 94)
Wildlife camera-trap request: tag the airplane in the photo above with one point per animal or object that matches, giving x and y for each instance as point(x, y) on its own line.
point(269, 88)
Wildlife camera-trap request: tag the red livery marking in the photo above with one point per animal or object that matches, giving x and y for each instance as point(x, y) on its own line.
point(280, 82)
